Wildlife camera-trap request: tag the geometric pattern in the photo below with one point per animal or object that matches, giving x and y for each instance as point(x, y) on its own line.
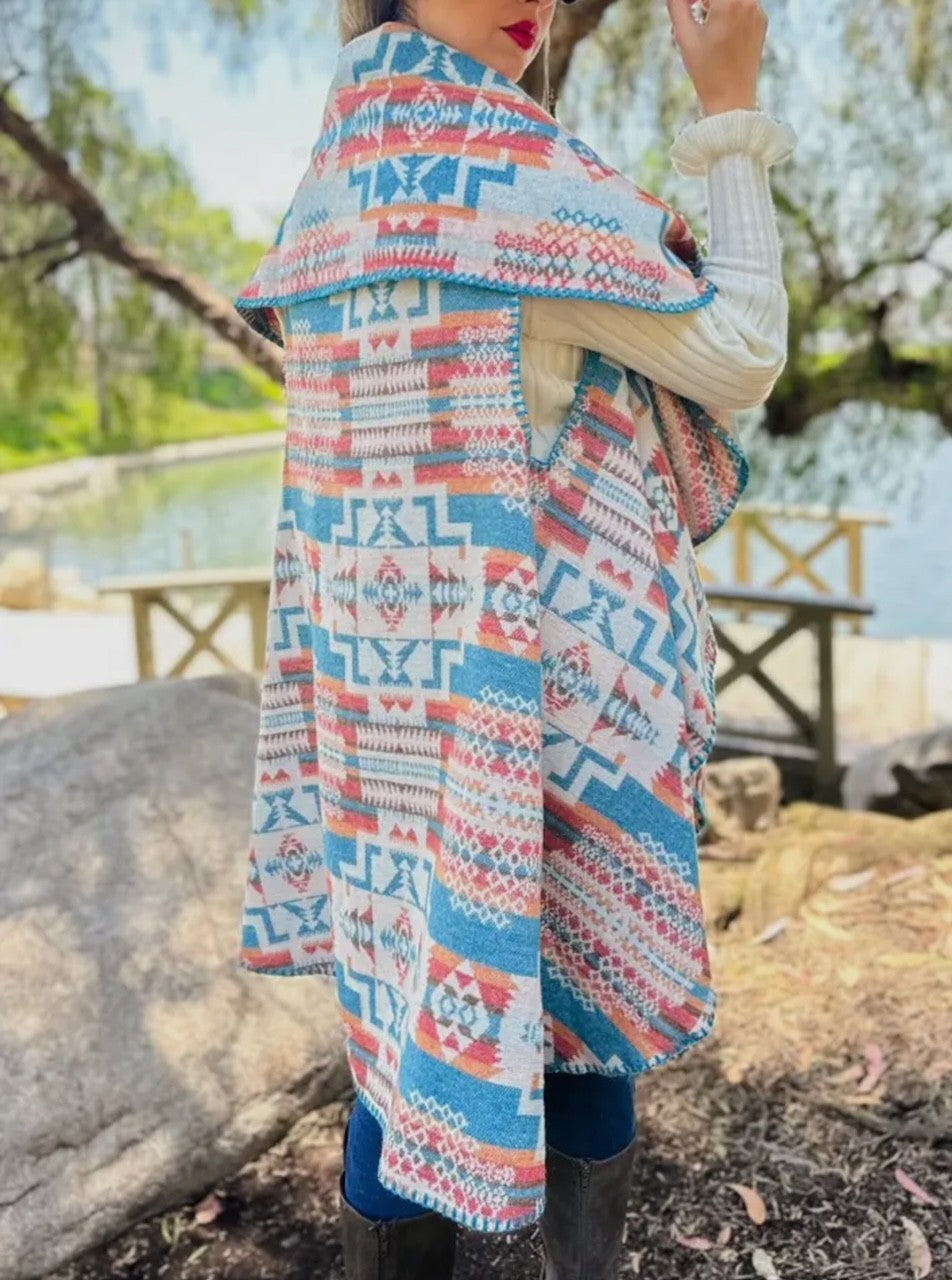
point(489, 689)
point(400, 585)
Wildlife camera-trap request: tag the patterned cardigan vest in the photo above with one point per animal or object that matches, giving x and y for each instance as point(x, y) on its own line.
point(489, 690)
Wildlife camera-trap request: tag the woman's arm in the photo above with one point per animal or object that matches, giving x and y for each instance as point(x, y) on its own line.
point(729, 354)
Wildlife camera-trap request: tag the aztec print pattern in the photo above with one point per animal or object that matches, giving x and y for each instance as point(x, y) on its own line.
point(429, 164)
point(489, 690)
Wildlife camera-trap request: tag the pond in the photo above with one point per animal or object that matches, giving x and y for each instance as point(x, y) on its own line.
point(220, 512)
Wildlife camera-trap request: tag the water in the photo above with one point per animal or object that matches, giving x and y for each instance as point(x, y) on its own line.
point(227, 506)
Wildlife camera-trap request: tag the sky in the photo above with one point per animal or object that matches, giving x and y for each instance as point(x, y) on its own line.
point(246, 150)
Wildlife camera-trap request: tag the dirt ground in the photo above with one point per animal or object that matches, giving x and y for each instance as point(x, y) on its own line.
point(826, 1089)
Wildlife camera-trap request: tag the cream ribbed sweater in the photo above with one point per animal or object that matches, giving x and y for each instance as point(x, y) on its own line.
point(727, 355)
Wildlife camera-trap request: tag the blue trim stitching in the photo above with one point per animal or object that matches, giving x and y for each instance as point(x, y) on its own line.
point(460, 277)
point(590, 369)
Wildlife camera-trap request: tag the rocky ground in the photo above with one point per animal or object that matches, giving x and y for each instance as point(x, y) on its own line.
point(810, 1138)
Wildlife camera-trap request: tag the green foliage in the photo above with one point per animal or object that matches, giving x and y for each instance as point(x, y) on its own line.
point(37, 337)
point(235, 389)
point(47, 431)
point(90, 324)
point(67, 426)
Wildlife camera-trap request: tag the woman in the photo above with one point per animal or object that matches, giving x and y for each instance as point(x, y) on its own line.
point(489, 695)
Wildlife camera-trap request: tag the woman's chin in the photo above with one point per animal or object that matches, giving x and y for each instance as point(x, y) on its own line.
point(512, 61)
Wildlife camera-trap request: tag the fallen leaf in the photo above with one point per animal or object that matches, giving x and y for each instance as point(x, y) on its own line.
point(756, 1209)
point(864, 1099)
point(692, 1242)
point(907, 873)
point(172, 1227)
point(848, 883)
point(850, 975)
point(875, 1069)
point(906, 959)
point(724, 1235)
point(772, 931)
point(208, 1209)
point(919, 1253)
point(849, 1075)
point(763, 1265)
point(829, 906)
point(824, 926)
point(914, 1189)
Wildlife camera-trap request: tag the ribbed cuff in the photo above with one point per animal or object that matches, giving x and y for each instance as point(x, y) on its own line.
point(753, 132)
point(743, 223)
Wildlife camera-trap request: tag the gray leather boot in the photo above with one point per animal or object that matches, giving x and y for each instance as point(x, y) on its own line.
point(419, 1248)
point(583, 1222)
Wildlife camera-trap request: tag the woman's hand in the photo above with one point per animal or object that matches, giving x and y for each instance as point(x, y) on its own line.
point(722, 55)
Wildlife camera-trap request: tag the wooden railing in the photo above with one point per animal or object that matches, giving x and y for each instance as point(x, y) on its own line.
point(812, 740)
point(755, 522)
point(813, 737)
point(238, 589)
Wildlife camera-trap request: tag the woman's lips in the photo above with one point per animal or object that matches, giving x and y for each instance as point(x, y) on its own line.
point(524, 34)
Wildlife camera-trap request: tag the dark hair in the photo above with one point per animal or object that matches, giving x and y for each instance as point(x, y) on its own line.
point(357, 17)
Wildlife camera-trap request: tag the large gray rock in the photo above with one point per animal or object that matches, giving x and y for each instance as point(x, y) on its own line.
point(138, 1063)
point(907, 777)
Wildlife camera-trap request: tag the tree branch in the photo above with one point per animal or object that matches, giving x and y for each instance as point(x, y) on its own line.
point(873, 374)
point(571, 26)
point(41, 246)
point(94, 232)
point(829, 276)
point(56, 263)
point(7, 85)
point(943, 222)
point(831, 282)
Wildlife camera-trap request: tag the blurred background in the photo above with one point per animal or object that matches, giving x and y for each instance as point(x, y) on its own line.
point(147, 154)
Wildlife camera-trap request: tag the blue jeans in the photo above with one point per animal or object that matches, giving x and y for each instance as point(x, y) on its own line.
point(587, 1116)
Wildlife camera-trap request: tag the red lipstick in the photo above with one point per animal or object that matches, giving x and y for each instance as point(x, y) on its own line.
point(524, 33)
